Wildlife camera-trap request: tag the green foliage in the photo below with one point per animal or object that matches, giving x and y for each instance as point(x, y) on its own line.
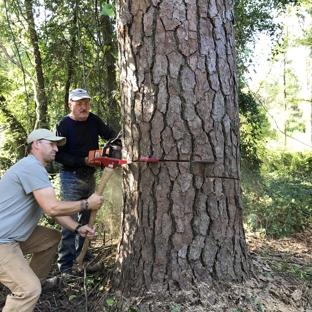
point(247, 17)
point(46, 220)
point(254, 128)
point(297, 165)
point(72, 297)
point(279, 202)
point(111, 304)
point(74, 41)
point(108, 9)
point(306, 39)
point(300, 271)
point(282, 91)
point(5, 163)
point(89, 281)
point(252, 18)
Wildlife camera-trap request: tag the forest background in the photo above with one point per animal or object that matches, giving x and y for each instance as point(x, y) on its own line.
point(48, 48)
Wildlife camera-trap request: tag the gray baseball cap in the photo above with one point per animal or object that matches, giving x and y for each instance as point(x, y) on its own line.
point(44, 134)
point(78, 94)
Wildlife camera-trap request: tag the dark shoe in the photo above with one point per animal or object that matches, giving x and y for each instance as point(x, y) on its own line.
point(50, 284)
point(68, 277)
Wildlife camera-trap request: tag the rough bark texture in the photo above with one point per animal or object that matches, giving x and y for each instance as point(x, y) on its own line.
point(182, 222)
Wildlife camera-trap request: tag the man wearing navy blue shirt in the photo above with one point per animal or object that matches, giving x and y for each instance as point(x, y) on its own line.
point(82, 130)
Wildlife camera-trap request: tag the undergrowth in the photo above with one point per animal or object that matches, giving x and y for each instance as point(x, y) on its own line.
point(278, 199)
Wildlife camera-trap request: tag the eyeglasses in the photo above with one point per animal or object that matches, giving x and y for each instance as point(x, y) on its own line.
point(53, 144)
point(80, 103)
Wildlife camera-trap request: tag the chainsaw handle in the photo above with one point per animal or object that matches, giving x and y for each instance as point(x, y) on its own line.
point(149, 159)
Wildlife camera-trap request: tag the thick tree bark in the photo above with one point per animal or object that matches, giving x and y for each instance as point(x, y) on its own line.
point(182, 222)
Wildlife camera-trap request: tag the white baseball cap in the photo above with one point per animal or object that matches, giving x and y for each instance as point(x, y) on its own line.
point(78, 94)
point(44, 134)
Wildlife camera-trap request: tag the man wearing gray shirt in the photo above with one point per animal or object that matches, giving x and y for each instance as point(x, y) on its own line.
point(25, 193)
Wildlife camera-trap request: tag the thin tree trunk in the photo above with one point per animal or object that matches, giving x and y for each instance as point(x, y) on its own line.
point(110, 81)
point(42, 99)
point(182, 222)
point(71, 61)
point(285, 101)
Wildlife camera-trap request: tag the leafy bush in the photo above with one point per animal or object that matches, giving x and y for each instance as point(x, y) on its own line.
point(279, 201)
point(254, 129)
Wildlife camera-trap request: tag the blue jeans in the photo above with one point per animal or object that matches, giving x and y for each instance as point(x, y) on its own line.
point(74, 187)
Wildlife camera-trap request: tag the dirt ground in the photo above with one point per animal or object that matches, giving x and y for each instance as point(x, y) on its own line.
point(281, 282)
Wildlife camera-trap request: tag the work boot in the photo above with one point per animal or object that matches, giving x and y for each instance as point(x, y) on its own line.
point(67, 276)
point(50, 284)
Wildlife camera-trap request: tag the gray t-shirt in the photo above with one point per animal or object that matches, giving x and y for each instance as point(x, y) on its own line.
point(19, 210)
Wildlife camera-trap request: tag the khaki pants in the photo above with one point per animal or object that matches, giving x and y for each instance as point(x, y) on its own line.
point(23, 279)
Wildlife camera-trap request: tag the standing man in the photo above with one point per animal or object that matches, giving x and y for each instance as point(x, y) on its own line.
point(25, 193)
point(82, 130)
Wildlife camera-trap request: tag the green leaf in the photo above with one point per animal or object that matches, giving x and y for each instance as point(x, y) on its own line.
point(107, 48)
point(72, 297)
point(90, 282)
point(108, 9)
point(176, 309)
point(110, 301)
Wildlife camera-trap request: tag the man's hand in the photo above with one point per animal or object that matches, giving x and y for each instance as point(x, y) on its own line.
point(95, 201)
point(92, 163)
point(86, 231)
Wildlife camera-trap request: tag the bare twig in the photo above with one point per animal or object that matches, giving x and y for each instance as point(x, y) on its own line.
point(85, 288)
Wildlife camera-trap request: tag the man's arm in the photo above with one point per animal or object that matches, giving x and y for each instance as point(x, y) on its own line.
point(53, 207)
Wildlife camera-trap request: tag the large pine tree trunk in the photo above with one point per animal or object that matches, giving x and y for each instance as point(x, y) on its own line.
point(182, 221)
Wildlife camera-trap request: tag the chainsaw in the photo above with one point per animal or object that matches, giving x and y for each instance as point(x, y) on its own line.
point(111, 149)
